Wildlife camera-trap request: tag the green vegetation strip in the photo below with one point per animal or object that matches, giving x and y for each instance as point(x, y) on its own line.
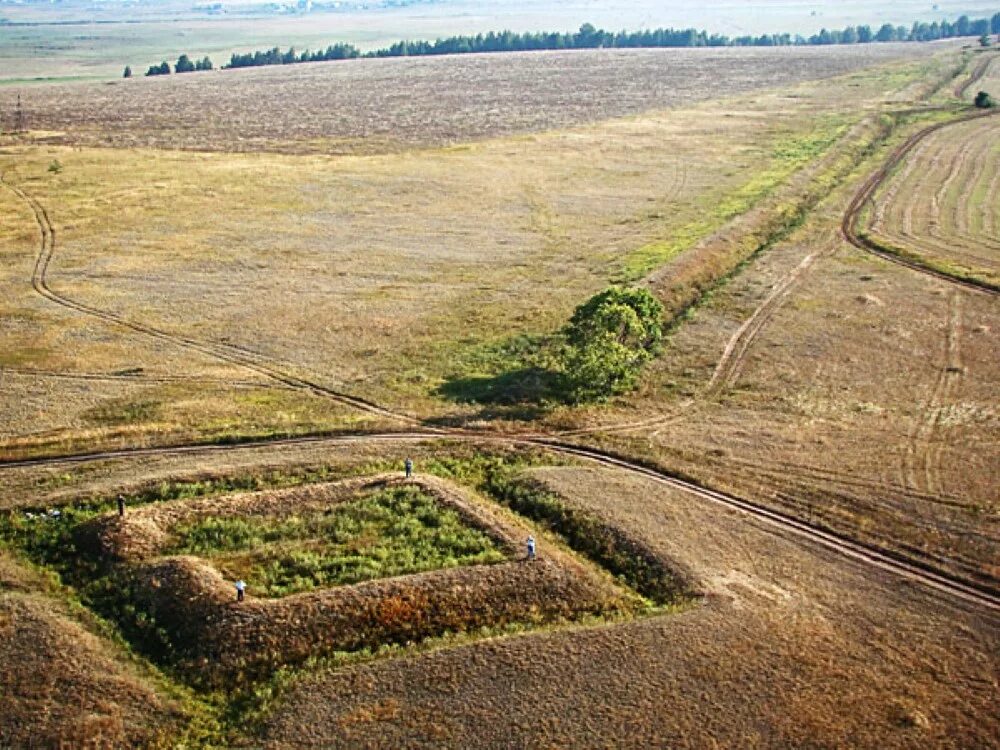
point(787, 156)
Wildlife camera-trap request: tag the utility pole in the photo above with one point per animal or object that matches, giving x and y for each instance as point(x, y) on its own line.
point(18, 116)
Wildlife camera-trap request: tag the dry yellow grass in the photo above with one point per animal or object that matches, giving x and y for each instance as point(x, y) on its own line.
point(384, 274)
point(848, 391)
point(380, 275)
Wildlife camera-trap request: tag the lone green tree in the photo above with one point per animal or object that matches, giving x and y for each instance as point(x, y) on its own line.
point(984, 100)
point(985, 41)
point(128, 72)
point(608, 340)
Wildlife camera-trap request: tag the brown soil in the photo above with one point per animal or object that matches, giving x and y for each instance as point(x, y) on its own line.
point(367, 106)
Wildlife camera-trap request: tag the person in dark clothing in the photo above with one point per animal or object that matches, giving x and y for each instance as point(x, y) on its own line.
point(121, 506)
point(409, 467)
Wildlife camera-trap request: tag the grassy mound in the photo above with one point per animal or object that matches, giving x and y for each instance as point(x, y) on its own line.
point(64, 687)
point(341, 566)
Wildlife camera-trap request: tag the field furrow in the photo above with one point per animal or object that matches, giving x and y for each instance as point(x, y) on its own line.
point(931, 208)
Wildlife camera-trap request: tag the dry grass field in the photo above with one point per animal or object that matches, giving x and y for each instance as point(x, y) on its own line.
point(179, 274)
point(852, 392)
point(387, 275)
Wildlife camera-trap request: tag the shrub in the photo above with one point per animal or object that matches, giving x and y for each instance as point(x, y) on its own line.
point(984, 100)
point(184, 65)
point(159, 70)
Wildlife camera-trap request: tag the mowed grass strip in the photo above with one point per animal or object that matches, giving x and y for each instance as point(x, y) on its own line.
point(381, 534)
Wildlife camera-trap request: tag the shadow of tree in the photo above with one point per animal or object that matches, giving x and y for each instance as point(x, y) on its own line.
point(524, 385)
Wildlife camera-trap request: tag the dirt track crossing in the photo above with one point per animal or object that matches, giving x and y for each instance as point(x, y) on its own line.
point(733, 356)
point(872, 557)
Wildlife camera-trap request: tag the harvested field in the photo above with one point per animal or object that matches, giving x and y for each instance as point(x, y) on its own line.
point(791, 648)
point(850, 392)
point(943, 207)
point(368, 273)
point(405, 278)
point(366, 106)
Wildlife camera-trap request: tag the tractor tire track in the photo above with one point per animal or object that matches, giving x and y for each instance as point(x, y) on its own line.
point(224, 352)
point(950, 230)
point(952, 374)
point(982, 595)
point(137, 378)
point(990, 205)
point(977, 73)
point(922, 457)
point(733, 356)
point(941, 230)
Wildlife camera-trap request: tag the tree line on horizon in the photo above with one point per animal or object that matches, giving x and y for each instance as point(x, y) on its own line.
point(184, 64)
point(590, 37)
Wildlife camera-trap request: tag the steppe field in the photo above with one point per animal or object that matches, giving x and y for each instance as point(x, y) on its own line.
point(233, 303)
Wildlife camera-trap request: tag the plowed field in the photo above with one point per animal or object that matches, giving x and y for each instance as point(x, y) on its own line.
point(370, 106)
